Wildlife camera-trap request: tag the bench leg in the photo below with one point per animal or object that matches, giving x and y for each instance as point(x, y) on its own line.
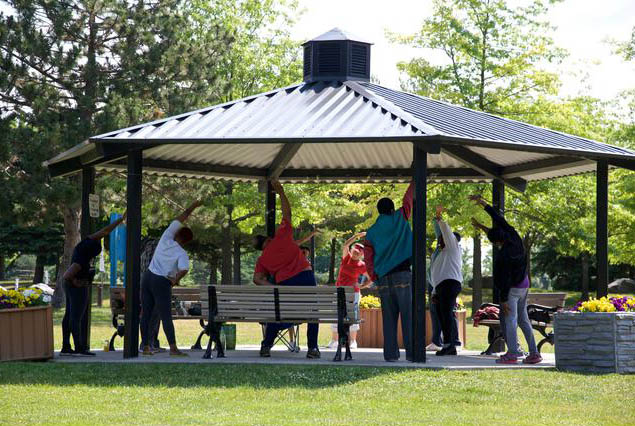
point(197, 345)
point(348, 356)
point(111, 345)
point(214, 331)
point(549, 338)
point(497, 338)
point(344, 340)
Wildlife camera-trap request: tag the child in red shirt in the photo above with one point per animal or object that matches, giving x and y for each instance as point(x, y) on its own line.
point(351, 268)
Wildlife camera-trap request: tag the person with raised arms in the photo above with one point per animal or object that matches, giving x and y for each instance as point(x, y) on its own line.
point(169, 264)
point(283, 259)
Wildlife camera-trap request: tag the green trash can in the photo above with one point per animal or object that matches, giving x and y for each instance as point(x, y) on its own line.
point(228, 336)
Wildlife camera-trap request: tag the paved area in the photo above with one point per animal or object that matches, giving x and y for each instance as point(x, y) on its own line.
point(248, 354)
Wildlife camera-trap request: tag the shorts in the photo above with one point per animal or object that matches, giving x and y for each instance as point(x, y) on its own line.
point(354, 327)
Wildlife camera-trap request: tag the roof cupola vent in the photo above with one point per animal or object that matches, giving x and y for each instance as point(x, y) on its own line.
point(336, 55)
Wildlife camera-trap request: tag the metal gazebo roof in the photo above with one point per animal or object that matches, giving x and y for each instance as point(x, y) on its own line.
point(343, 131)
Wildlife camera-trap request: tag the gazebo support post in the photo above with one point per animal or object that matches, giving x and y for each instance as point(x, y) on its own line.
point(419, 283)
point(270, 212)
point(87, 227)
point(498, 202)
point(133, 253)
point(601, 225)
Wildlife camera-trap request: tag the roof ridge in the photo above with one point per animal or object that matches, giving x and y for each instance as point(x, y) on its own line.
point(389, 106)
point(198, 111)
point(626, 150)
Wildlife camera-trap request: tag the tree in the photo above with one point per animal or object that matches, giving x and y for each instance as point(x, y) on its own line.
point(72, 69)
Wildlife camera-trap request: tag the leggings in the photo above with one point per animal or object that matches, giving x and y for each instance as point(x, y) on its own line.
point(72, 323)
point(156, 292)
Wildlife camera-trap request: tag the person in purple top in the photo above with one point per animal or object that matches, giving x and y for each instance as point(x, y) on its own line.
point(512, 283)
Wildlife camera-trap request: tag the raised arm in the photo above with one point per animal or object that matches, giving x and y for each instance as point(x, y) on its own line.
point(406, 208)
point(347, 245)
point(307, 238)
point(107, 229)
point(497, 218)
point(186, 214)
point(284, 201)
point(448, 237)
point(369, 260)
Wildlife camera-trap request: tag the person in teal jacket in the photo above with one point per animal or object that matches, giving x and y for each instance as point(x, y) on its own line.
point(387, 253)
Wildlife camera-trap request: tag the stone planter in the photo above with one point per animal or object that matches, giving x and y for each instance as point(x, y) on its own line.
point(595, 341)
point(26, 334)
point(371, 334)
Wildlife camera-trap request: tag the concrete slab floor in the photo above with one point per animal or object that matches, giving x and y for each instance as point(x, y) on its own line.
point(362, 357)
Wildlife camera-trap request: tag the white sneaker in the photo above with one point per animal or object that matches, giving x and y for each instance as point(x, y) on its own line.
point(353, 344)
point(433, 347)
point(332, 345)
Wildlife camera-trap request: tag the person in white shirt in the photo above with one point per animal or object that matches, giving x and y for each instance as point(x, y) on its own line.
point(446, 278)
point(168, 266)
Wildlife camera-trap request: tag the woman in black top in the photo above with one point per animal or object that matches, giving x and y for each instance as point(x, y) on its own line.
point(77, 278)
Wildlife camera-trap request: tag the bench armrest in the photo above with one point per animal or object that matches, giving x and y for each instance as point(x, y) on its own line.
point(544, 308)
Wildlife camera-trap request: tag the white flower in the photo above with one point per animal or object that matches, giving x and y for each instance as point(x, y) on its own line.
point(28, 293)
point(46, 298)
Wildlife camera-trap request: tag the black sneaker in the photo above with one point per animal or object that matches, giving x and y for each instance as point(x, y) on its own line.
point(67, 352)
point(265, 351)
point(85, 353)
point(449, 350)
point(313, 353)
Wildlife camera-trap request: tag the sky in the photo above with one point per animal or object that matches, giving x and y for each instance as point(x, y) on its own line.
point(583, 26)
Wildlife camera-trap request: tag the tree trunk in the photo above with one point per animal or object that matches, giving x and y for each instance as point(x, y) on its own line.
point(332, 263)
point(585, 276)
point(71, 239)
point(57, 268)
point(237, 279)
point(213, 271)
point(528, 243)
point(38, 275)
point(2, 268)
point(477, 274)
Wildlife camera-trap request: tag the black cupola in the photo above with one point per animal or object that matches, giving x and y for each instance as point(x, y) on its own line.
point(336, 55)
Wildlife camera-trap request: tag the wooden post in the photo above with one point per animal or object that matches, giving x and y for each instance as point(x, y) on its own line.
point(87, 226)
point(601, 226)
point(133, 252)
point(419, 284)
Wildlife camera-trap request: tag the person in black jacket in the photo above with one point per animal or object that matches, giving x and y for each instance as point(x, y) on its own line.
point(511, 281)
point(77, 278)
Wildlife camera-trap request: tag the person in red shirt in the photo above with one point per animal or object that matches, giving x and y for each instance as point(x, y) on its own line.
point(283, 259)
point(351, 268)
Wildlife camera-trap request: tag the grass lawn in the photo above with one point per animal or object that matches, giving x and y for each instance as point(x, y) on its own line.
point(270, 394)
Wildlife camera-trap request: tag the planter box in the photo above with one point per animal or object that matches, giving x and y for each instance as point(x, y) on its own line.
point(371, 333)
point(595, 341)
point(26, 334)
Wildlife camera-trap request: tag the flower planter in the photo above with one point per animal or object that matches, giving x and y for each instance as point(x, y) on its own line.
point(595, 341)
point(371, 333)
point(26, 333)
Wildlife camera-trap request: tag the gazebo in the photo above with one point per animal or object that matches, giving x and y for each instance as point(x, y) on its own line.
point(337, 126)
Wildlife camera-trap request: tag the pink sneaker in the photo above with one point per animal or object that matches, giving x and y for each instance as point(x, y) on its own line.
point(507, 359)
point(532, 359)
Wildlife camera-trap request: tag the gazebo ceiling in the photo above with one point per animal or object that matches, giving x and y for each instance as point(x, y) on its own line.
point(343, 131)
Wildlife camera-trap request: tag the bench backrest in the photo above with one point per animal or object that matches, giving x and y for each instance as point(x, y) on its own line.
point(547, 299)
point(258, 303)
point(182, 294)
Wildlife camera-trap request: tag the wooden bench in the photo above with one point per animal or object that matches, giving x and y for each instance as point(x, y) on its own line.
point(540, 307)
point(181, 298)
point(279, 304)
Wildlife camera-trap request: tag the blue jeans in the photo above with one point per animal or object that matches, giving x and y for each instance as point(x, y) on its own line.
point(396, 298)
point(304, 278)
point(518, 317)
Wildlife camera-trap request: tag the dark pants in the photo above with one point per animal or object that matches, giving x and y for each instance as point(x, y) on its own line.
point(396, 299)
point(72, 323)
point(436, 327)
point(156, 292)
point(155, 325)
point(447, 291)
point(305, 279)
